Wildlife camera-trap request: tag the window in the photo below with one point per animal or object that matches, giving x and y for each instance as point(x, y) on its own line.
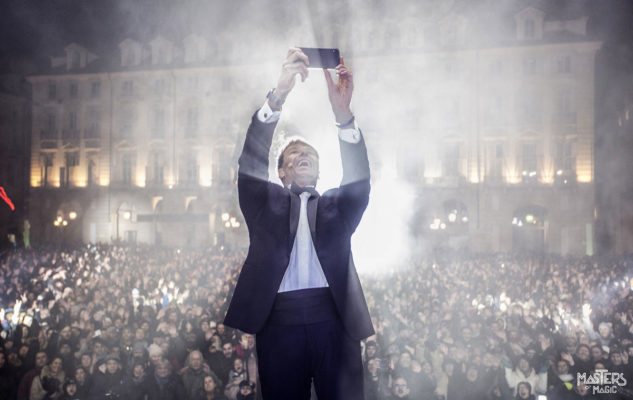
point(528, 108)
point(71, 131)
point(496, 68)
point(529, 28)
point(127, 123)
point(450, 160)
point(74, 89)
point(222, 173)
point(72, 120)
point(47, 163)
point(159, 86)
point(75, 60)
point(161, 55)
point(158, 123)
point(128, 88)
point(93, 127)
point(49, 131)
point(92, 172)
point(563, 65)
point(52, 91)
point(126, 170)
point(528, 162)
point(192, 122)
point(72, 159)
point(95, 89)
point(565, 160)
point(529, 66)
point(191, 171)
point(157, 169)
point(226, 84)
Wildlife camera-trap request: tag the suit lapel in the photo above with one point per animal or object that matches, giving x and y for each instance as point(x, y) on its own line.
point(295, 204)
point(312, 211)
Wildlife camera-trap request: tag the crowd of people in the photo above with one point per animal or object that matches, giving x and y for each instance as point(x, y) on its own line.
point(116, 322)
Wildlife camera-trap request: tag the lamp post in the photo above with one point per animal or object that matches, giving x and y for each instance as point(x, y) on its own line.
point(62, 221)
point(231, 224)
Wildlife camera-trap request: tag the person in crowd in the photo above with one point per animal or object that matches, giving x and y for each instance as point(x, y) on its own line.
point(400, 389)
point(164, 384)
point(49, 383)
point(236, 375)
point(70, 391)
point(524, 391)
point(211, 389)
point(560, 380)
point(83, 381)
point(246, 390)
point(111, 381)
point(523, 372)
point(24, 389)
point(376, 380)
point(137, 381)
point(194, 372)
point(225, 362)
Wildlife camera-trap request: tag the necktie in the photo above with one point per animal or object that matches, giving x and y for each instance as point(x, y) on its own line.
point(303, 242)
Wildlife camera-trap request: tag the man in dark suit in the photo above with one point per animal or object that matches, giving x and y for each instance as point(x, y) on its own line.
point(298, 289)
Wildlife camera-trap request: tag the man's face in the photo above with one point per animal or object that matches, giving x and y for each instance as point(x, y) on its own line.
point(86, 361)
point(112, 366)
point(562, 368)
point(227, 349)
point(301, 165)
point(604, 330)
point(373, 366)
point(616, 358)
point(80, 375)
point(162, 370)
point(583, 353)
point(138, 370)
point(196, 360)
point(65, 333)
point(596, 353)
point(400, 388)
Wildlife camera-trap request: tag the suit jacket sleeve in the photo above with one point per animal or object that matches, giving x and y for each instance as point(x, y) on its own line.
point(253, 168)
point(354, 189)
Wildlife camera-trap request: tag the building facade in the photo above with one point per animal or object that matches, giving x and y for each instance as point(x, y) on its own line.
point(495, 136)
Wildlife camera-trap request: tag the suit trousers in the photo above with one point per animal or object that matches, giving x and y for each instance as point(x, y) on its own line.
point(304, 341)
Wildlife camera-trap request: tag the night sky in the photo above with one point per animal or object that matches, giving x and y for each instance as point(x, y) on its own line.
point(42, 28)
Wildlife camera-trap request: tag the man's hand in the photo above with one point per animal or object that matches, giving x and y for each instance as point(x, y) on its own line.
point(340, 93)
point(296, 63)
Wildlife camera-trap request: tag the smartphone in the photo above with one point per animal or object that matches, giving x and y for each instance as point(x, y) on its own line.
point(541, 397)
point(322, 58)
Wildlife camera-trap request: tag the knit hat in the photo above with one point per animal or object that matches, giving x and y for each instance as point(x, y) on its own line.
point(155, 350)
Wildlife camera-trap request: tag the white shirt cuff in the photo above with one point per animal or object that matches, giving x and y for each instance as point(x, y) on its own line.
point(267, 115)
point(350, 135)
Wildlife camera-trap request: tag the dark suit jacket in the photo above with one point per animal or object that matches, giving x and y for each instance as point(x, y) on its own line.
point(271, 213)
